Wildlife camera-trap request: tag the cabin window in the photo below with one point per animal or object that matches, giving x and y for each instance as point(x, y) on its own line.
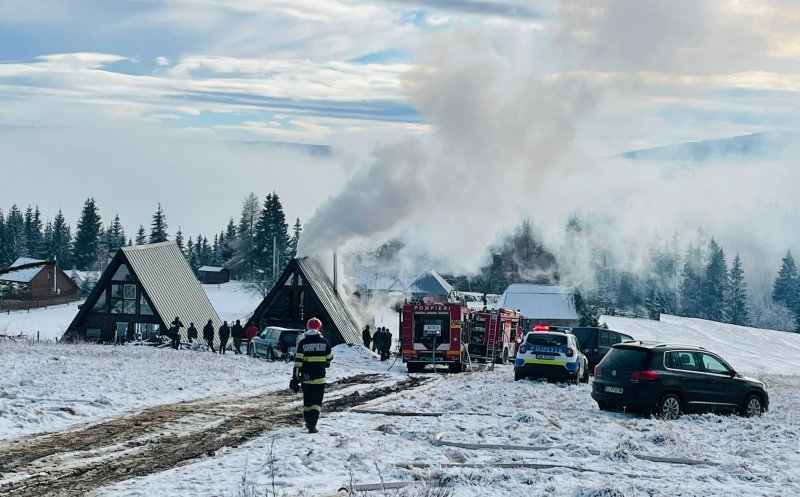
point(123, 298)
point(100, 306)
point(145, 331)
point(144, 307)
point(93, 334)
point(122, 274)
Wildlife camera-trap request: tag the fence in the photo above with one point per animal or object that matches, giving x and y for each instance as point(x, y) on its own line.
point(8, 305)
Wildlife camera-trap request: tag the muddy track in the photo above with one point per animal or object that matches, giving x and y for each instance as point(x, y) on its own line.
point(163, 437)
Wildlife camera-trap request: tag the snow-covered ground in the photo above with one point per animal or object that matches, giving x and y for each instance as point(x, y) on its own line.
point(748, 350)
point(233, 300)
point(49, 386)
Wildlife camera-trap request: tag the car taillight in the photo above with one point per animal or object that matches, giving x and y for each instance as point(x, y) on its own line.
point(597, 370)
point(570, 352)
point(523, 349)
point(644, 375)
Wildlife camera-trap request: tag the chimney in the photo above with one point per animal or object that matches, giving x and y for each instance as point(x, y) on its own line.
point(335, 274)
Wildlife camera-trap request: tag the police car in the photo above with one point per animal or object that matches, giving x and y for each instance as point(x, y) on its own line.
point(555, 355)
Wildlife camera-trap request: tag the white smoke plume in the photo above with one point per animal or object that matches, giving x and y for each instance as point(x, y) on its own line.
point(523, 128)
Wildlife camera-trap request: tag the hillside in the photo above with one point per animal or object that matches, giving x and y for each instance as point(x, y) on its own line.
point(750, 350)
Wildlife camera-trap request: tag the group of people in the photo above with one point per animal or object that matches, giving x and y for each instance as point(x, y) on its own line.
point(226, 332)
point(381, 341)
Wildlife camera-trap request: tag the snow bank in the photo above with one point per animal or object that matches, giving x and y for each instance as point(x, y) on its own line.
point(748, 350)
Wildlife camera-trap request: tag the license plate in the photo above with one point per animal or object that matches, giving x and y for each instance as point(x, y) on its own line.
point(613, 389)
point(544, 357)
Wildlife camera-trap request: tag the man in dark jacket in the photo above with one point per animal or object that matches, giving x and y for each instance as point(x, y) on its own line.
point(208, 335)
point(237, 333)
point(224, 334)
point(366, 336)
point(191, 332)
point(313, 357)
point(175, 333)
point(379, 342)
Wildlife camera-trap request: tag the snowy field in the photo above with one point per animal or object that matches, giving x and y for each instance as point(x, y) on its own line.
point(580, 451)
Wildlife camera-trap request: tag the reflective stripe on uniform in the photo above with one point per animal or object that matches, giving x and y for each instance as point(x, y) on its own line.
point(316, 359)
point(313, 408)
point(329, 358)
point(299, 356)
point(318, 381)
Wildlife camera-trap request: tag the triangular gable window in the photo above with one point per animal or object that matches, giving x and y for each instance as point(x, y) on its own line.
point(122, 274)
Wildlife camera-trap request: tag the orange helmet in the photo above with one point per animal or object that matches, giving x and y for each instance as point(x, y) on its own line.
point(314, 324)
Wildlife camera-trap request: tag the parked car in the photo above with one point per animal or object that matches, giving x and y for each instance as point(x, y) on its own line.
point(274, 343)
point(554, 355)
point(669, 379)
point(596, 342)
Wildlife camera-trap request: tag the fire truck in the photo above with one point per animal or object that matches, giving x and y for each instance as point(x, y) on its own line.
point(494, 335)
point(434, 334)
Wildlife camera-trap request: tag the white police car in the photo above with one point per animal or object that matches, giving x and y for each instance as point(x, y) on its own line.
point(554, 355)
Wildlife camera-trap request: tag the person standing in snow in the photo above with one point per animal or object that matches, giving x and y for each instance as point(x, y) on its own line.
point(366, 336)
point(387, 344)
point(191, 332)
point(224, 334)
point(249, 334)
point(208, 335)
point(313, 357)
point(379, 342)
point(175, 332)
point(237, 333)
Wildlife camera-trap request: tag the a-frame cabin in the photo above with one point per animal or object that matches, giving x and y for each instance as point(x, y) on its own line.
point(304, 291)
point(141, 291)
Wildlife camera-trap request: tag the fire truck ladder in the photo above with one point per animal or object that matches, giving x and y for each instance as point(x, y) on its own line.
point(491, 341)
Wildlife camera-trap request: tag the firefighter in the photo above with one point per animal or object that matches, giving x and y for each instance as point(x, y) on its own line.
point(313, 357)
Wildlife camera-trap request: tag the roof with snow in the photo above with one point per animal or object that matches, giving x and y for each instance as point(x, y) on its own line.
point(540, 301)
point(211, 269)
point(23, 275)
point(430, 283)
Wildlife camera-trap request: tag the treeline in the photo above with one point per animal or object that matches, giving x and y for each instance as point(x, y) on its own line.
point(256, 248)
point(642, 282)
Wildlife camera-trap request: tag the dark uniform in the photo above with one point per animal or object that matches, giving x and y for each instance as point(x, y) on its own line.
point(313, 357)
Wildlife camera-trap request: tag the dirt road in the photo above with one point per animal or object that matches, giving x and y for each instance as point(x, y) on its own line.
point(78, 461)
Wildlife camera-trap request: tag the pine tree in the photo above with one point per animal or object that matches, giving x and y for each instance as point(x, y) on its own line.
point(191, 255)
point(33, 233)
point(115, 236)
point(692, 285)
point(215, 251)
point(715, 283)
point(296, 230)
point(227, 246)
point(61, 244)
point(786, 283)
point(141, 237)
point(85, 249)
point(243, 259)
point(736, 298)
point(179, 240)
point(272, 237)
point(16, 243)
point(3, 259)
point(47, 241)
point(158, 228)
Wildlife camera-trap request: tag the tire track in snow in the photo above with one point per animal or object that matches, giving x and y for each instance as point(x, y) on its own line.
point(75, 462)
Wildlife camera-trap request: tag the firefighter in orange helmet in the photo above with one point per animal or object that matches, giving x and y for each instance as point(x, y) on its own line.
point(312, 359)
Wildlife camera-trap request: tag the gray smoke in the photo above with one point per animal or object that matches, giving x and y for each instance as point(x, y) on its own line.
point(501, 132)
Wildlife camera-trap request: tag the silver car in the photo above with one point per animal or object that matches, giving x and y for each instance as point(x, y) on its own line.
point(274, 342)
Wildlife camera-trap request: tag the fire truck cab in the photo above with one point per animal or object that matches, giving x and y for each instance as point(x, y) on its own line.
point(434, 334)
point(493, 336)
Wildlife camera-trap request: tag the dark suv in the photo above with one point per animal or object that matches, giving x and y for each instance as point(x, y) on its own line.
point(596, 342)
point(669, 379)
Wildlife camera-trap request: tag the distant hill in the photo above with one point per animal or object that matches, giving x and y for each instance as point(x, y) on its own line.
point(765, 146)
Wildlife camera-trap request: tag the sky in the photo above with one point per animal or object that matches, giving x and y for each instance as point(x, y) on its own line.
point(426, 111)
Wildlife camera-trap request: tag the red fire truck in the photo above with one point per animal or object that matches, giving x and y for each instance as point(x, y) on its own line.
point(432, 334)
point(493, 335)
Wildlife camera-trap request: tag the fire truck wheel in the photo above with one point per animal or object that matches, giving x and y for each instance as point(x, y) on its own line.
point(456, 367)
point(414, 367)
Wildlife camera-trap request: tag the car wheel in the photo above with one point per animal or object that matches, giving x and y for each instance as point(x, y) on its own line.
point(518, 375)
point(251, 351)
point(270, 354)
point(585, 377)
point(603, 406)
point(669, 407)
point(752, 406)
